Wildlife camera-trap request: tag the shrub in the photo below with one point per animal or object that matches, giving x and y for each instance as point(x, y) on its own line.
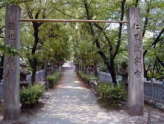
point(86, 78)
point(156, 75)
point(53, 79)
point(31, 94)
point(114, 94)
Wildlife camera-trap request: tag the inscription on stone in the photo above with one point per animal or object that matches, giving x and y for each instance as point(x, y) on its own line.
point(137, 26)
point(137, 50)
point(11, 24)
point(137, 60)
point(137, 37)
point(135, 71)
point(11, 35)
point(11, 65)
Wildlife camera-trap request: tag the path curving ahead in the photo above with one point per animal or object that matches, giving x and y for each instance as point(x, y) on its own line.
point(72, 103)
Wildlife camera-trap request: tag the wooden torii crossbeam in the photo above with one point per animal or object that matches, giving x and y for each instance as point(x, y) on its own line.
point(71, 20)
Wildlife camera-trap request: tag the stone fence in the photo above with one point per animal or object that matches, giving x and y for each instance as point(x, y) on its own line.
point(106, 77)
point(40, 77)
point(1, 91)
point(153, 90)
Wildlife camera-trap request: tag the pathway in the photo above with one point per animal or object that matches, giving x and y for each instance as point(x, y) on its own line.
point(72, 103)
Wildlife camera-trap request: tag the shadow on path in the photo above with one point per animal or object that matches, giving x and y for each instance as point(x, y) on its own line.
point(72, 103)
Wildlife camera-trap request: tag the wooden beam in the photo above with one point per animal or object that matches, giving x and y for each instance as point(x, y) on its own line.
point(71, 20)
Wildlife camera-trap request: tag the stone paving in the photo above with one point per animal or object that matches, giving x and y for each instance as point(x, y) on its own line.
point(73, 103)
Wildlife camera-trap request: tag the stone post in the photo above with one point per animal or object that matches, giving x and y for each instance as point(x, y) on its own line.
point(11, 65)
point(135, 63)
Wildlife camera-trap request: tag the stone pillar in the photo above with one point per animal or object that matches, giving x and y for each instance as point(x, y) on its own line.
point(135, 63)
point(11, 65)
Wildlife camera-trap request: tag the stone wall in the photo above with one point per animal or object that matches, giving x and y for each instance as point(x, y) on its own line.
point(40, 77)
point(106, 77)
point(153, 90)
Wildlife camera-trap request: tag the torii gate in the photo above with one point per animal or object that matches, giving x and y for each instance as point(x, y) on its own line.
point(12, 68)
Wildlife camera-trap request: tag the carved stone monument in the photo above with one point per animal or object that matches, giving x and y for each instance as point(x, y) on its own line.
point(135, 64)
point(11, 65)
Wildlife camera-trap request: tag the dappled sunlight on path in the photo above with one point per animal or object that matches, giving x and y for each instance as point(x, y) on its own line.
point(72, 103)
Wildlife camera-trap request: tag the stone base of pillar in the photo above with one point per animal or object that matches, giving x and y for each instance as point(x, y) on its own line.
point(11, 114)
point(136, 110)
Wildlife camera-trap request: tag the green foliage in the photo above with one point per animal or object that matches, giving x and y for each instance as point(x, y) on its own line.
point(61, 41)
point(87, 77)
point(56, 45)
point(86, 53)
point(3, 3)
point(31, 94)
point(159, 75)
point(53, 79)
point(6, 49)
point(114, 94)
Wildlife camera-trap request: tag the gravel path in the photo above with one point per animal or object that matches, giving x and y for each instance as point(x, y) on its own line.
point(72, 103)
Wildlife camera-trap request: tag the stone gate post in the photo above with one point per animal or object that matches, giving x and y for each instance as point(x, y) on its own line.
point(11, 64)
point(135, 63)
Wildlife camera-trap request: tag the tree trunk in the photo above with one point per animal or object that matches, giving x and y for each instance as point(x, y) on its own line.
point(33, 75)
point(34, 60)
point(113, 72)
point(34, 69)
point(145, 71)
point(46, 74)
point(1, 67)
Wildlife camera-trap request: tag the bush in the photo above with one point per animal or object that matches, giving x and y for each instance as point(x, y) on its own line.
point(156, 75)
point(114, 94)
point(86, 78)
point(31, 94)
point(53, 79)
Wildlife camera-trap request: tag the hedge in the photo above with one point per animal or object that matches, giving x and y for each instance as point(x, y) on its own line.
point(53, 79)
point(31, 94)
